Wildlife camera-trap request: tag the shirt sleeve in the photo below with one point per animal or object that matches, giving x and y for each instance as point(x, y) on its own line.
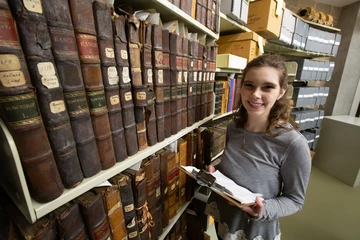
point(295, 173)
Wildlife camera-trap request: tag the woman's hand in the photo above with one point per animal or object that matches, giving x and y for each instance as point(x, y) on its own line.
point(210, 169)
point(256, 209)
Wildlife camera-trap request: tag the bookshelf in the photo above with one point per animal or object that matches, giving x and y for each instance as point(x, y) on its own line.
point(229, 26)
point(216, 117)
point(289, 51)
point(13, 181)
point(169, 12)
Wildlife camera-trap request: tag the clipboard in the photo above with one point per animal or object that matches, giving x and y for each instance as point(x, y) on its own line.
point(206, 179)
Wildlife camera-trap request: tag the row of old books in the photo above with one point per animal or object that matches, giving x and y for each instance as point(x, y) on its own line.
point(90, 88)
point(135, 204)
point(204, 11)
point(227, 95)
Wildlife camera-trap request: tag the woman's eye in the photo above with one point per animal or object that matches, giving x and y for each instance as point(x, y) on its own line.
point(269, 87)
point(248, 84)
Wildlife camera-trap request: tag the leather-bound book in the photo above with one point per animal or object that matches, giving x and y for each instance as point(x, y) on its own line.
point(124, 184)
point(20, 112)
point(182, 146)
point(84, 25)
point(92, 211)
point(121, 52)
point(140, 199)
point(69, 222)
point(104, 30)
point(35, 39)
point(67, 61)
point(126, 100)
point(150, 119)
point(114, 211)
point(43, 229)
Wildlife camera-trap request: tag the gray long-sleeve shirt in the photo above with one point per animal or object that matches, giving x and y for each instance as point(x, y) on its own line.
point(277, 167)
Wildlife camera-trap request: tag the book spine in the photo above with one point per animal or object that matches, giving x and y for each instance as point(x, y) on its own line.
point(104, 30)
point(113, 210)
point(35, 39)
point(231, 94)
point(93, 213)
point(136, 53)
point(70, 222)
point(67, 61)
point(20, 111)
point(84, 25)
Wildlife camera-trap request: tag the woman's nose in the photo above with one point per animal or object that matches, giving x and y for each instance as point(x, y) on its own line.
point(256, 93)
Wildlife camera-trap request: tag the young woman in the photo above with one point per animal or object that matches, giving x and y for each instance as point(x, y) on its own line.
point(264, 153)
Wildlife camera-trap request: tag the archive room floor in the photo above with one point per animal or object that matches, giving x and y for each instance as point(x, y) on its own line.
point(331, 212)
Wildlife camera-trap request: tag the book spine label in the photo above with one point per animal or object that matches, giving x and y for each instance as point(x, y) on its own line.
point(20, 110)
point(97, 101)
point(76, 103)
point(63, 43)
point(88, 48)
point(8, 32)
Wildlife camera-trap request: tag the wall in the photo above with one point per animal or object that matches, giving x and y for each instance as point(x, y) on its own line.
point(344, 83)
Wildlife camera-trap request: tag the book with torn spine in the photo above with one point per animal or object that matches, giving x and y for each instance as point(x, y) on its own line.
point(216, 181)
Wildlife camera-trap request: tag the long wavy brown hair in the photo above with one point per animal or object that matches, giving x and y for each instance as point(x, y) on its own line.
point(280, 112)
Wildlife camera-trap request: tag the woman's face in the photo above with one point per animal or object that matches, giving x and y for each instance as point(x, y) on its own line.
point(260, 90)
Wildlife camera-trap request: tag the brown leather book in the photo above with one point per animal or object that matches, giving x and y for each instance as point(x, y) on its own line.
point(114, 211)
point(69, 222)
point(43, 229)
point(127, 199)
point(20, 111)
point(84, 25)
point(140, 199)
point(67, 61)
point(150, 119)
point(92, 211)
point(104, 30)
point(35, 39)
point(182, 146)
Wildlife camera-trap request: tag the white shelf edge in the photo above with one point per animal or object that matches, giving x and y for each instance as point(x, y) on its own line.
point(172, 221)
point(291, 51)
point(233, 23)
point(217, 155)
point(185, 17)
point(222, 115)
point(229, 70)
point(41, 209)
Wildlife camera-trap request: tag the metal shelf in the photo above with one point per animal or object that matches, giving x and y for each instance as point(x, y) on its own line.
point(169, 12)
point(280, 49)
point(229, 70)
point(230, 26)
point(15, 185)
point(222, 115)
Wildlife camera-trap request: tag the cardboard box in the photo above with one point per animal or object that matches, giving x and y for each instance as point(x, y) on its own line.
point(231, 8)
point(265, 17)
point(248, 45)
point(230, 61)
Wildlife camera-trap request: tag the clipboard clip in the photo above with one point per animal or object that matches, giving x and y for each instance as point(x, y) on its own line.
point(206, 179)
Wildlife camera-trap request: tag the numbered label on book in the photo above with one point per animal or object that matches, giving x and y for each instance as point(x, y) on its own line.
point(57, 106)
point(179, 78)
point(124, 54)
point(185, 77)
point(195, 76)
point(150, 76)
point(50, 81)
point(114, 100)
point(128, 96)
point(9, 62)
point(141, 96)
point(129, 208)
point(126, 75)
point(160, 76)
point(113, 76)
point(109, 53)
point(33, 5)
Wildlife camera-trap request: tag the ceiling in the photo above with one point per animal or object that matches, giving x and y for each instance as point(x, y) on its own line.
point(337, 3)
